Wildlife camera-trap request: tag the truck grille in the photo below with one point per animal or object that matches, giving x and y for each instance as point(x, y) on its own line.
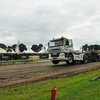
point(55, 55)
point(55, 51)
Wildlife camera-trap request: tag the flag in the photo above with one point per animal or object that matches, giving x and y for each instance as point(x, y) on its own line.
point(46, 45)
point(17, 48)
point(81, 47)
point(93, 48)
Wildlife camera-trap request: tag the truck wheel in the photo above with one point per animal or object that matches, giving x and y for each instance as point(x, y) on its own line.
point(94, 57)
point(70, 59)
point(55, 62)
point(99, 58)
point(85, 59)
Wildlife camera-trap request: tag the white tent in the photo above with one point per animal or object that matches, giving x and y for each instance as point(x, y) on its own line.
point(29, 50)
point(43, 51)
point(2, 50)
point(12, 51)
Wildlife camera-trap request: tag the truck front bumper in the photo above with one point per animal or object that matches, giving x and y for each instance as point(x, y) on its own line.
point(61, 57)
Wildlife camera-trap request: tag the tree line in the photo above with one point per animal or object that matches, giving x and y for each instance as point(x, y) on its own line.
point(22, 47)
point(37, 48)
point(91, 47)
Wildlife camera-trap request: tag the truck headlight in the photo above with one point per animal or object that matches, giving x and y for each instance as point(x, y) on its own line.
point(62, 54)
point(62, 50)
point(49, 55)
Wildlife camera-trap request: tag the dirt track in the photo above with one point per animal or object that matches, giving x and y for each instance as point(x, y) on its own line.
point(23, 74)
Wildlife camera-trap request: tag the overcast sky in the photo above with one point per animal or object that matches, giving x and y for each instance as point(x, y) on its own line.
point(38, 21)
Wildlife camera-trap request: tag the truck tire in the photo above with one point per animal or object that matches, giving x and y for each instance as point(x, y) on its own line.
point(94, 57)
point(99, 58)
point(70, 59)
point(55, 62)
point(85, 60)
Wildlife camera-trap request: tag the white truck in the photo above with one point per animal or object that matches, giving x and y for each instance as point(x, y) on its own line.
point(61, 49)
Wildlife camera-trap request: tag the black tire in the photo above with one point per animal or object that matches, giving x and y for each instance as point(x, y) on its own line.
point(74, 62)
point(94, 57)
point(99, 58)
point(70, 59)
point(55, 62)
point(85, 60)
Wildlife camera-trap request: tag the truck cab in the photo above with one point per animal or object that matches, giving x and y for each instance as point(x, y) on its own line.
point(61, 49)
point(60, 45)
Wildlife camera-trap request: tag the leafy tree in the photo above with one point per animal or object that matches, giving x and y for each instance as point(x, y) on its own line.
point(40, 47)
point(85, 47)
point(36, 48)
point(96, 47)
point(22, 47)
point(9, 49)
point(14, 46)
point(3, 46)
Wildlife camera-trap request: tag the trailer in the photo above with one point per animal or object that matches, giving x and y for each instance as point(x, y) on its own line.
point(61, 49)
point(93, 55)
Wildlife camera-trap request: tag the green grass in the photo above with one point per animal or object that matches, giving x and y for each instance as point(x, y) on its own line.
point(23, 60)
point(74, 88)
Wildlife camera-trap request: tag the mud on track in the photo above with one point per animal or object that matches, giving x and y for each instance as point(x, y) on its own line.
point(24, 74)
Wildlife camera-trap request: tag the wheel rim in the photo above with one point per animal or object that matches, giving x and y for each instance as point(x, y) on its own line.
point(70, 59)
point(85, 60)
point(99, 58)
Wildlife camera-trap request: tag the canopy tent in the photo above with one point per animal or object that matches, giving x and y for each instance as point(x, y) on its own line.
point(29, 50)
point(2, 50)
point(43, 51)
point(12, 51)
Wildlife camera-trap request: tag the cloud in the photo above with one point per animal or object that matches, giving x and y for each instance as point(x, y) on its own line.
point(35, 21)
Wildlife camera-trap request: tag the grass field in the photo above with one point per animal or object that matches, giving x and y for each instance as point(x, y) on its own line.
point(74, 88)
point(23, 60)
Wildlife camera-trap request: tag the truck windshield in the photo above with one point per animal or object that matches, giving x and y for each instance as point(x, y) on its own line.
point(56, 43)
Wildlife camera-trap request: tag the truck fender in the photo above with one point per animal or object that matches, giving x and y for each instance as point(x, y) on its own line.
point(70, 59)
point(85, 59)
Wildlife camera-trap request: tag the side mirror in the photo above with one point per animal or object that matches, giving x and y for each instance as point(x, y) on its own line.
point(48, 44)
point(67, 43)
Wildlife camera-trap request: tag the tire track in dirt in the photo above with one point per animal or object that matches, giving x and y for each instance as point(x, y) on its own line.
point(24, 74)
